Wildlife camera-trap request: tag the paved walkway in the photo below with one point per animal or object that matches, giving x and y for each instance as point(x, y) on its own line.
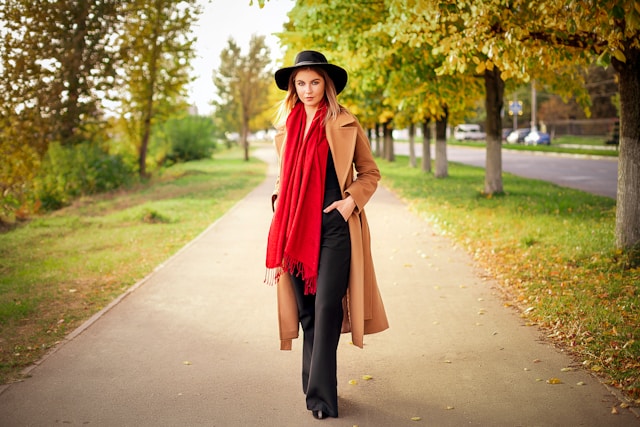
point(195, 344)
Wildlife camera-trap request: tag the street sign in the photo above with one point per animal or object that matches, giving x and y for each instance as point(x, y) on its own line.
point(515, 107)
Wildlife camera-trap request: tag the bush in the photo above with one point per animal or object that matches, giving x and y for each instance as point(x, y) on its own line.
point(189, 138)
point(68, 172)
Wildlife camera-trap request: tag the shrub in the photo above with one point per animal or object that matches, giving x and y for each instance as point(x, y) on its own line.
point(189, 138)
point(68, 172)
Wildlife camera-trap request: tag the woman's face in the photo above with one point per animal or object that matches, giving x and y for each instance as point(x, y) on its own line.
point(309, 87)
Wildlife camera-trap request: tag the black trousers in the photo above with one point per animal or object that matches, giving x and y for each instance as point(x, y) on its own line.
point(321, 314)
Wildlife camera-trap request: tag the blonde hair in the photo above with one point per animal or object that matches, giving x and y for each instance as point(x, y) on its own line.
point(330, 95)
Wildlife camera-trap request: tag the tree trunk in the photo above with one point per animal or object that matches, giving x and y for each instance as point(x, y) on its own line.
point(388, 141)
point(426, 146)
point(244, 141)
point(72, 65)
point(412, 146)
point(151, 89)
point(378, 141)
point(442, 166)
point(627, 232)
point(494, 93)
point(244, 134)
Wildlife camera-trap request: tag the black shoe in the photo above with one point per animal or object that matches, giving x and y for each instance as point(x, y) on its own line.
point(318, 415)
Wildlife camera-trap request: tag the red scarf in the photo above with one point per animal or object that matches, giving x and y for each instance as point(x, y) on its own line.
point(294, 237)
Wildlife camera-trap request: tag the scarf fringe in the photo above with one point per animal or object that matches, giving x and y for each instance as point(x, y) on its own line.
point(293, 267)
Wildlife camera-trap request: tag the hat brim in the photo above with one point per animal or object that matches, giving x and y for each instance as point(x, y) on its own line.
point(337, 74)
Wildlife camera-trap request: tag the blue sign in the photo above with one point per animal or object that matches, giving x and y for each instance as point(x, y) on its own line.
point(515, 107)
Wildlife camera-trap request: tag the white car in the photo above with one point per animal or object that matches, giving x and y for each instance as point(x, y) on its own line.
point(468, 132)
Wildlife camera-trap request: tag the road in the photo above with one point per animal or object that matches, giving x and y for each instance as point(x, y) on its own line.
point(594, 175)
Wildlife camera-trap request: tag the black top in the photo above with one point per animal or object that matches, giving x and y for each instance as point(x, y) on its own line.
point(331, 180)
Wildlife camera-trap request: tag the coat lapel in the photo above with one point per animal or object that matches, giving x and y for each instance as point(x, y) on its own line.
point(342, 141)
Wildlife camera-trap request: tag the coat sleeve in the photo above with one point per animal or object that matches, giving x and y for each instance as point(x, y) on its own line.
point(366, 171)
point(279, 144)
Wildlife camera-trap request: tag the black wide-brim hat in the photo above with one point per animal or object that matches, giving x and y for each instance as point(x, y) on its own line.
point(311, 58)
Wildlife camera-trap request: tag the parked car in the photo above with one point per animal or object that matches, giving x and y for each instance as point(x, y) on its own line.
point(517, 136)
point(468, 132)
point(536, 137)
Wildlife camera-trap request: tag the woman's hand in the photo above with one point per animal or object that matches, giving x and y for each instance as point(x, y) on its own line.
point(344, 206)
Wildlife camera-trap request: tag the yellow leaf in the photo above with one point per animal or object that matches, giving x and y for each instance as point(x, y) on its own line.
point(449, 408)
point(186, 362)
point(416, 418)
point(581, 383)
point(566, 369)
point(554, 381)
point(619, 55)
point(480, 68)
point(367, 377)
point(353, 382)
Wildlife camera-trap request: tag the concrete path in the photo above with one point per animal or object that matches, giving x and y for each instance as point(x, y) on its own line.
point(195, 344)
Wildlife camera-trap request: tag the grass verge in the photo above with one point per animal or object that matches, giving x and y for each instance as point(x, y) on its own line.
point(59, 269)
point(551, 250)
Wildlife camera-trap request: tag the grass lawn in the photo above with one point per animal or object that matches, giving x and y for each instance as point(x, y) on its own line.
point(59, 269)
point(551, 250)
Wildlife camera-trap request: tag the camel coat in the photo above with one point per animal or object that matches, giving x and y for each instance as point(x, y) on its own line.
point(358, 175)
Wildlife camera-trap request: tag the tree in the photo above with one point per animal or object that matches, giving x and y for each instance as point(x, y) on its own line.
point(537, 39)
point(57, 60)
point(243, 83)
point(158, 47)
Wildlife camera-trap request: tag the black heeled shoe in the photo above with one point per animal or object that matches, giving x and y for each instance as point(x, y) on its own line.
point(318, 415)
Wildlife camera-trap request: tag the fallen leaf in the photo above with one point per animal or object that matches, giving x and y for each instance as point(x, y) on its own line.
point(614, 411)
point(367, 377)
point(624, 405)
point(537, 360)
point(450, 408)
point(527, 369)
point(447, 361)
point(416, 418)
point(554, 381)
point(566, 369)
point(581, 383)
point(186, 362)
point(353, 382)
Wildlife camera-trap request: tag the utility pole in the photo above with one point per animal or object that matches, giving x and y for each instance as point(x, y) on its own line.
point(533, 105)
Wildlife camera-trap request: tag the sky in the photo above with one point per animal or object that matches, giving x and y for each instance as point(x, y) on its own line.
point(222, 19)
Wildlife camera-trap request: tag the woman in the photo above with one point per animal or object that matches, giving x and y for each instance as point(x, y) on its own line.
point(318, 249)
